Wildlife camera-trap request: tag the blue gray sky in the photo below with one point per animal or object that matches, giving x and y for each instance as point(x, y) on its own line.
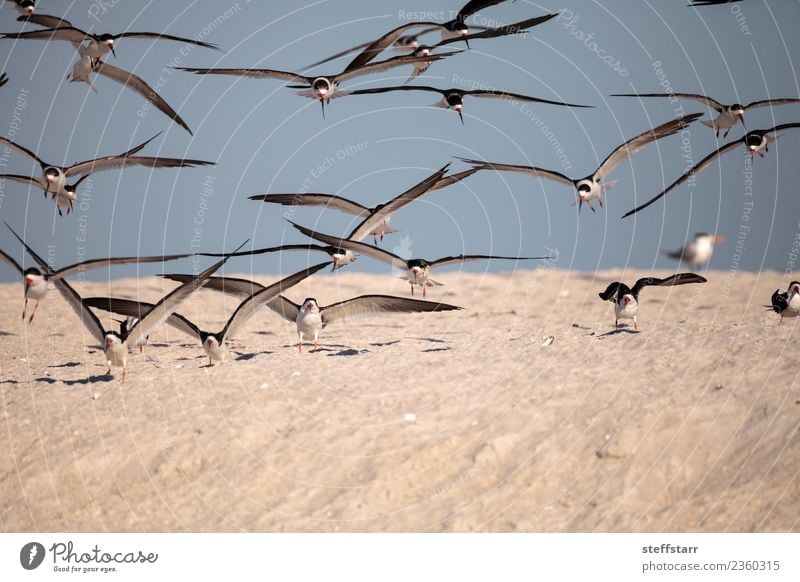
point(264, 138)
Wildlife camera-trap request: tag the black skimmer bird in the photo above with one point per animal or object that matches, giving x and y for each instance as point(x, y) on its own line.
point(213, 343)
point(3, 79)
point(244, 288)
point(729, 115)
point(454, 30)
point(591, 186)
point(454, 98)
point(321, 87)
point(698, 251)
point(97, 46)
point(756, 142)
point(418, 271)
point(116, 344)
point(626, 299)
point(787, 304)
point(86, 66)
point(36, 280)
point(376, 219)
point(311, 317)
point(711, 2)
point(54, 178)
point(409, 42)
point(24, 7)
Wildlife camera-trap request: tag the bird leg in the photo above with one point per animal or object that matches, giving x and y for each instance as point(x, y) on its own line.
point(108, 372)
point(412, 289)
point(314, 351)
point(725, 134)
point(424, 290)
point(35, 307)
point(635, 324)
point(124, 374)
point(24, 308)
point(210, 363)
point(616, 323)
point(600, 200)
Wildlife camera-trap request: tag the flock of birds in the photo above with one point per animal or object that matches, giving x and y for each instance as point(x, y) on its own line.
point(141, 319)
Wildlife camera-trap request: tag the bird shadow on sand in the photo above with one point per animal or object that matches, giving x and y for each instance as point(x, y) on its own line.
point(433, 340)
point(626, 330)
point(245, 357)
point(345, 352)
point(89, 380)
point(66, 365)
point(446, 349)
point(381, 344)
point(5, 333)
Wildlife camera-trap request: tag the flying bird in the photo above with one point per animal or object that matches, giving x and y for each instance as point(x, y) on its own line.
point(36, 281)
point(323, 88)
point(97, 46)
point(401, 41)
point(729, 115)
point(756, 141)
point(311, 317)
point(626, 300)
point(213, 343)
point(117, 343)
point(54, 177)
point(86, 66)
point(698, 251)
point(592, 186)
point(787, 304)
point(454, 98)
point(376, 219)
point(417, 270)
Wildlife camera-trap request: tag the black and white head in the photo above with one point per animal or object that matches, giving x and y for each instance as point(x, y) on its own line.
point(756, 141)
point(113, 339)
point(51, 175)
point(310, 305)
point(32, 276)
point(794, 288)
point(25, 7)
point(322, 87)
point(738, 110)
point(107, 41)
point(210, 340)
point(421, 51)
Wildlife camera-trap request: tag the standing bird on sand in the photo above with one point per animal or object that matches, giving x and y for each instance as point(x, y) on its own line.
point(698, 251)
point(626, 300)
point(592, 186)
point(787, 304)
point(311, 317)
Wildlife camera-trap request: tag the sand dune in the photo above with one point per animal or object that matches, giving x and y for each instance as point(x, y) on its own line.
point(445, 422)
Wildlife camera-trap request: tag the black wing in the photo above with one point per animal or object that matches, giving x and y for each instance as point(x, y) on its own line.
point(516, 28)
point(696, 169)
point(780, 301)
point(611, 292)
point(678, 279)
point(159, 36)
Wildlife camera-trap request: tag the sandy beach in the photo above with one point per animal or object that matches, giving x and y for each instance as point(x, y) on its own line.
point(463, 421)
